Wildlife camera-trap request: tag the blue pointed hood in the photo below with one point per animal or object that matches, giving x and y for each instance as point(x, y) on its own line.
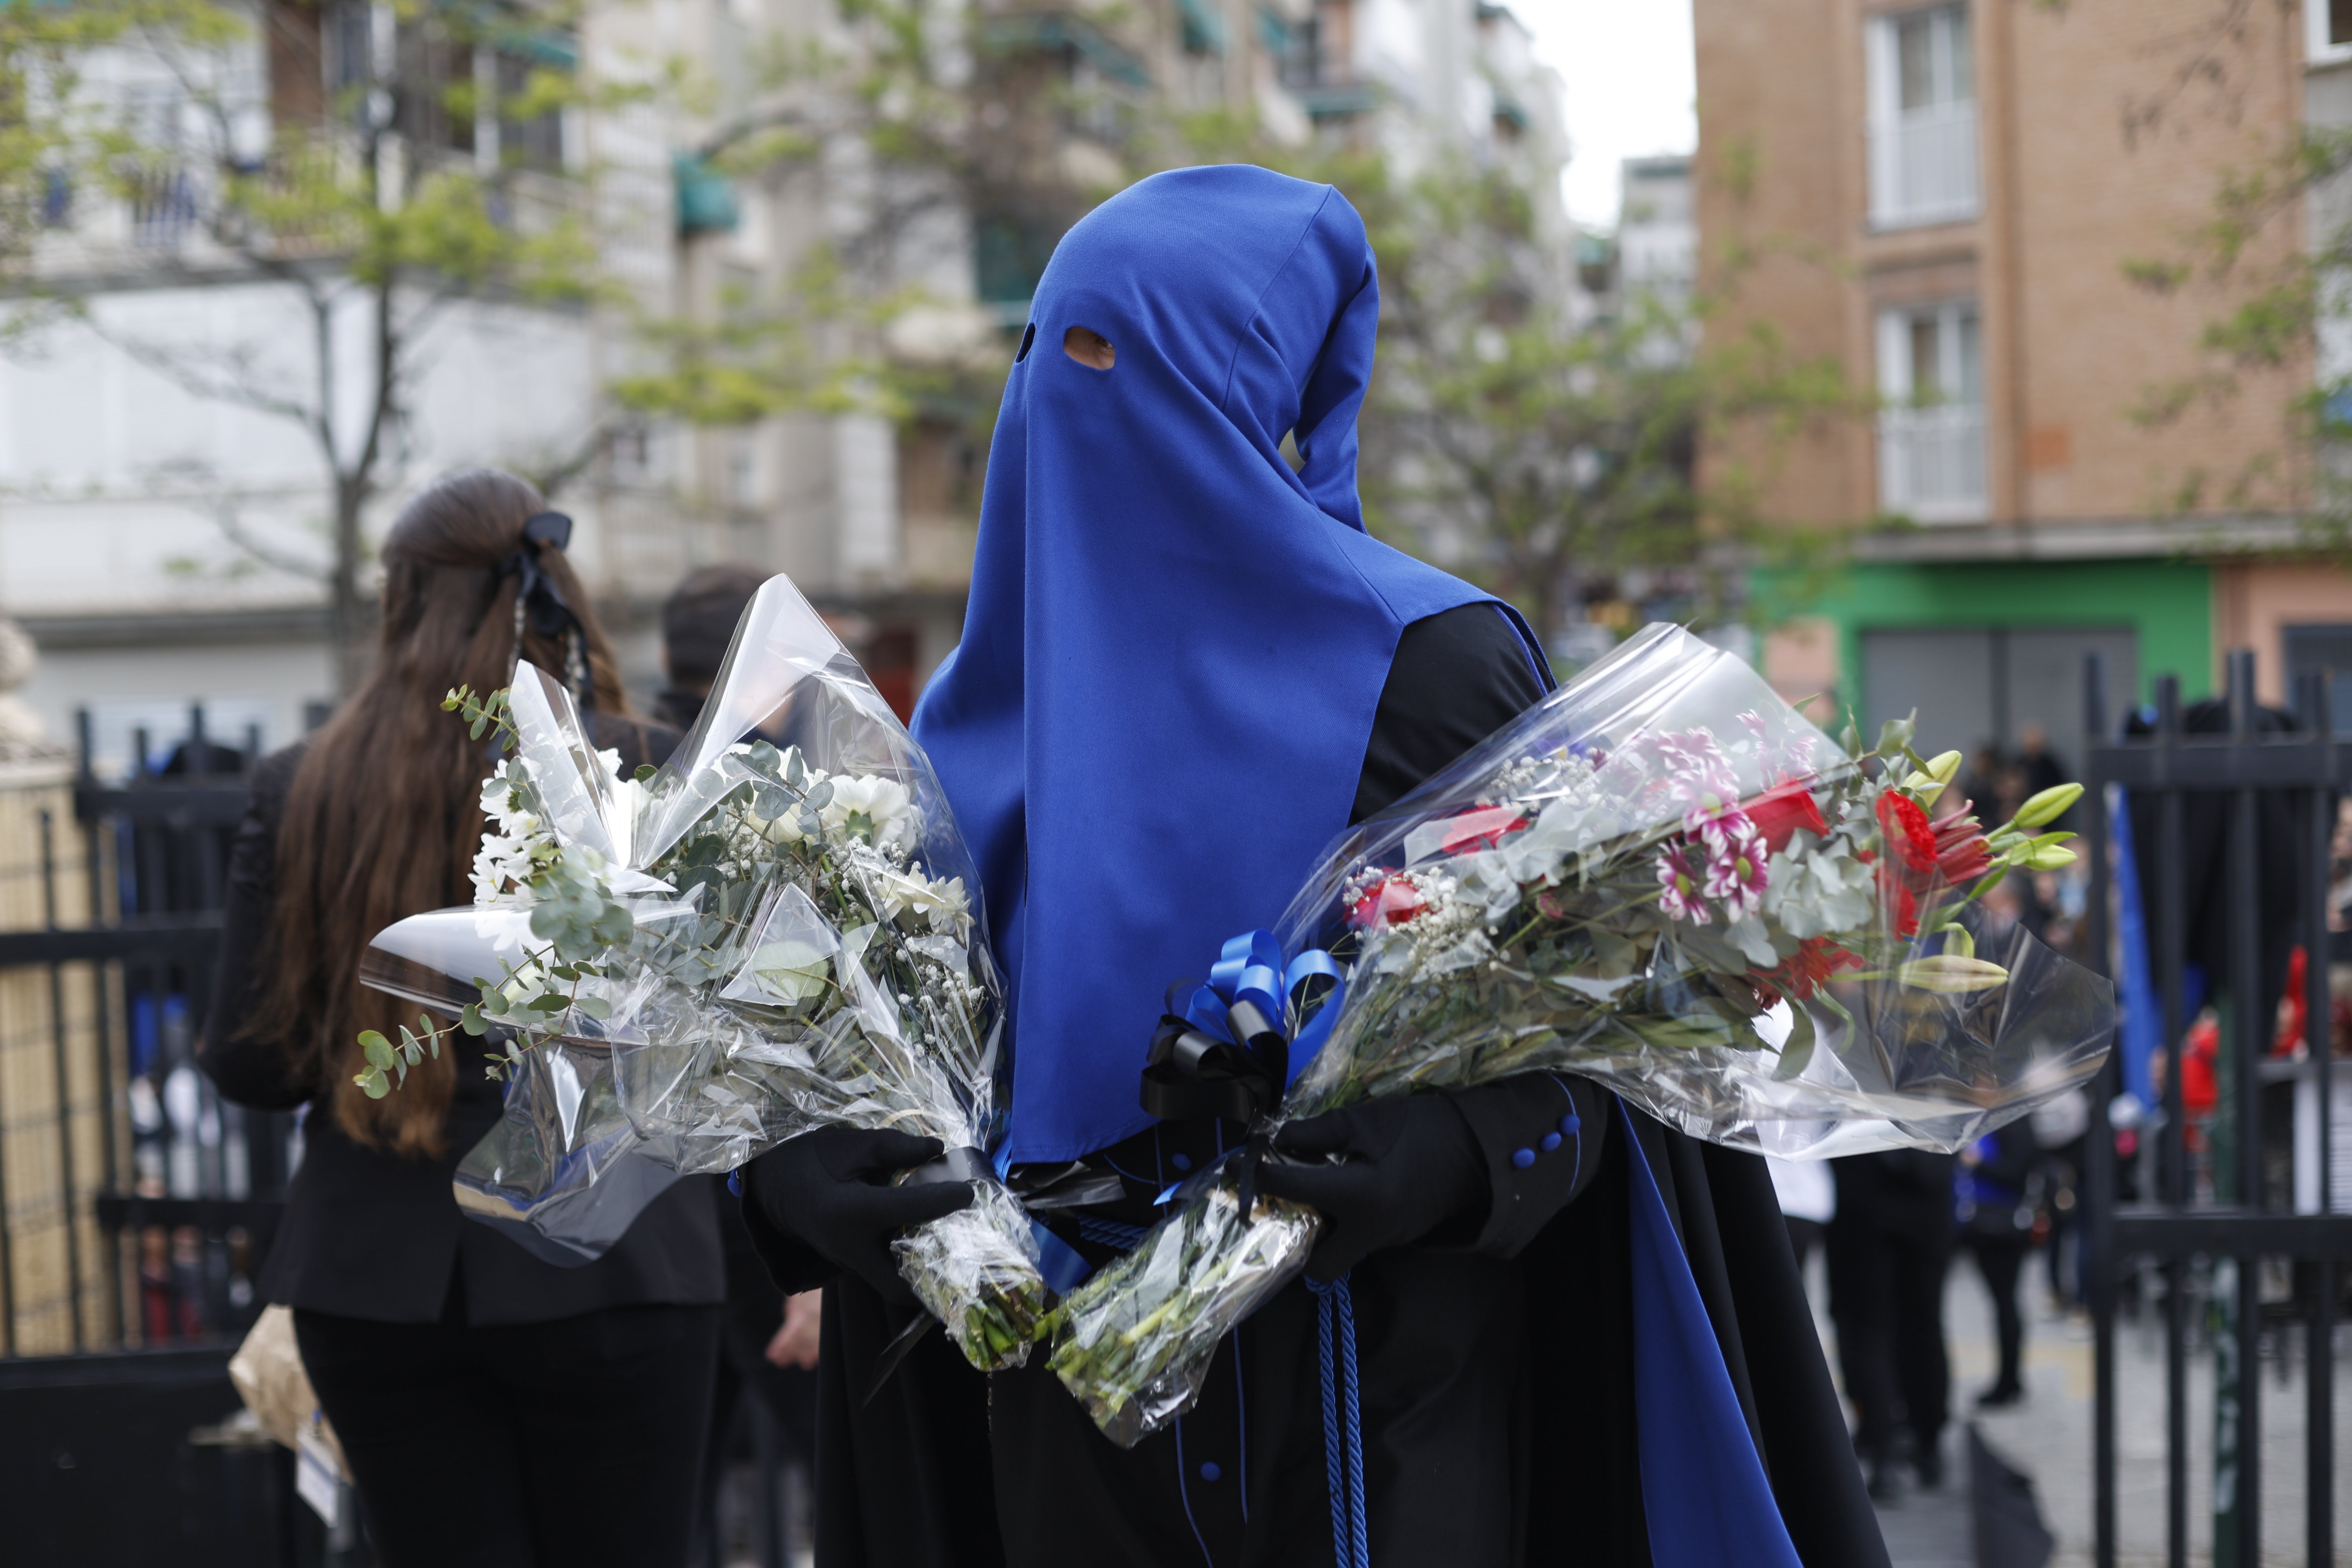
point(1174, 645)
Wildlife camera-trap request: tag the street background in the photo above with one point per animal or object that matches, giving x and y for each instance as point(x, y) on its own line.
point(1988, 362)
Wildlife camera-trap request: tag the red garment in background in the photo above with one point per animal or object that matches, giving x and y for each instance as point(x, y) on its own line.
point(2292, 1032)
point(2200, 1090)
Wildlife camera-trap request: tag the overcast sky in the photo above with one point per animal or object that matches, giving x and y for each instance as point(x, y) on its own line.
point(1630, 88)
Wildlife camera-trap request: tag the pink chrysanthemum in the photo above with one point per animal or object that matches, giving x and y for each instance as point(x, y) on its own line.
point(1719, 832)
point(1736, 876)
point(1680, 879)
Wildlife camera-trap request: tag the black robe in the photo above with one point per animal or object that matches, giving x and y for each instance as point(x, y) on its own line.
point(1499, 1418)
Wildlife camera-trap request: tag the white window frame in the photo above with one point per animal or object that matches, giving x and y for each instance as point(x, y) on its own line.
point(1931, 458)
point(2317, 49)
point(1892, 203)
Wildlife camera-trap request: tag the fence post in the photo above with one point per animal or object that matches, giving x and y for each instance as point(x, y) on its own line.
point(2099, 1149)
point(2170, 927)
point(2314, 708)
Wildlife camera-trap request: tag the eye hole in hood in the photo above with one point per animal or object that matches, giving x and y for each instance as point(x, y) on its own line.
point(1090, 347)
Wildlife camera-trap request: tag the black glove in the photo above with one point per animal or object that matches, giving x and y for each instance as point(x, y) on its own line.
point(1413, 1167)
point(825, 1189)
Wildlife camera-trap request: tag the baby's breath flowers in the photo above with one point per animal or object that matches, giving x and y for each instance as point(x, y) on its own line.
point(739, 951)
point(1667, 881)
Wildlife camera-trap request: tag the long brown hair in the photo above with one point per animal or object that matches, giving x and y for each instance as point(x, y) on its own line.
point(384, 815)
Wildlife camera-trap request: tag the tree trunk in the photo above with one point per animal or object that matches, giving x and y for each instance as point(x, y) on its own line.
point(350, 618)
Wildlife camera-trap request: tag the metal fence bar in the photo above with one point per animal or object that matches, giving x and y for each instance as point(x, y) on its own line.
point(2098, 1175)
point(2171, 1186)
point(2249, 992)
point(2318, 827)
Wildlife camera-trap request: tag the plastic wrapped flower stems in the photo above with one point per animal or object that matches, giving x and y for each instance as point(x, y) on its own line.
point(773, 933)
point(1133, 1343)
point(1663, 879)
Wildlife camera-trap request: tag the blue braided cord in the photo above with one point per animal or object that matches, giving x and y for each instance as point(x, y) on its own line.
point(1130, 1176)
point(1241, 1406)
point(1576, 1172)
point(1333, 1456)
point(1350, 1536)
point(1361, 1536)
point(1108, 1233)
point(1184, 1490)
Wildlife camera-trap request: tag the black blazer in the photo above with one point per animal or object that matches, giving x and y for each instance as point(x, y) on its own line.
point(370, 1234)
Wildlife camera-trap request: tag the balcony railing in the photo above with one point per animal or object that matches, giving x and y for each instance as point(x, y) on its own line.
point(163, 209)
point(1924, 166)
point(1931, 462)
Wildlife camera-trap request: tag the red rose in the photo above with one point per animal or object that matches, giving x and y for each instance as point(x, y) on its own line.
point(1479, 830)
point(1391, 902)
point(1779, 811)
point(1909, 835)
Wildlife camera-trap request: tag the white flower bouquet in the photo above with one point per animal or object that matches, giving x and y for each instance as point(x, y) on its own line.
point(1663, 879)
point(774, 931)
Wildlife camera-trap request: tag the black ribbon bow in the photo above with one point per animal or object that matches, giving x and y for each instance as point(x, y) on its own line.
point(540, 600)
point(1192, 1074)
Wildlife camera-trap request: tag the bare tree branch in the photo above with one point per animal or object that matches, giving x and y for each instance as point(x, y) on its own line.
point(226, 519)
point(224, 382)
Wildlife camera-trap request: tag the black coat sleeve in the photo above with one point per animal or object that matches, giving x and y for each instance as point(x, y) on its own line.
point(263, 1073)
point(1457, 678)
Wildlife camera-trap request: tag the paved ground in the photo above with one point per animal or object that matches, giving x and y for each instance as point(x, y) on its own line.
point(2049, 1437)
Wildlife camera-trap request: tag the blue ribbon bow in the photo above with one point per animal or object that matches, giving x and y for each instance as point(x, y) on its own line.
point(1231, 1046)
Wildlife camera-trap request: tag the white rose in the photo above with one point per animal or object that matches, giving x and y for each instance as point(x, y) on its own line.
point(868, 806)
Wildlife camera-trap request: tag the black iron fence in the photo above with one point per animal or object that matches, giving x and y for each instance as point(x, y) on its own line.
point(136, 1207)
point(2222, 1212)
point(135, 1204)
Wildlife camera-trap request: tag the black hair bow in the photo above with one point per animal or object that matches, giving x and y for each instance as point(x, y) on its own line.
point(550, 615)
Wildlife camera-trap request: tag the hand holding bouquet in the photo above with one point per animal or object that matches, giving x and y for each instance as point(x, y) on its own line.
point(1663, 879)
point(775, 932)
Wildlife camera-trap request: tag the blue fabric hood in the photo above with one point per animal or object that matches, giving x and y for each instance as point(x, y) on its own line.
point(1174, 645)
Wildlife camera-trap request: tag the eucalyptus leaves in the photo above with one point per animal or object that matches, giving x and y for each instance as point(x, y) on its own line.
point(774, 931)
point(572, 912)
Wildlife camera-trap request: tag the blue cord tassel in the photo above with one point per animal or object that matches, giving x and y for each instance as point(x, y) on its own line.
point(1343, 1464)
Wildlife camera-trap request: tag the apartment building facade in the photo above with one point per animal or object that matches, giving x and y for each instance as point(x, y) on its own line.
point(152, 540)
point(1944, 200)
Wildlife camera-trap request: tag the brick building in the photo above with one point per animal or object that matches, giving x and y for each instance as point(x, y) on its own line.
point(1944, 199)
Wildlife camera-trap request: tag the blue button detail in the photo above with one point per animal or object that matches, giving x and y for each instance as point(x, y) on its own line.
point(1550, 1142)
point(1181, 1162)
point(1210, 1471)
point(735, 1181)
point(1523, 1158)
point(1568, 1125)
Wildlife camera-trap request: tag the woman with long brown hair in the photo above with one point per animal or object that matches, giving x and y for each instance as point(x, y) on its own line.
point(494, 1408)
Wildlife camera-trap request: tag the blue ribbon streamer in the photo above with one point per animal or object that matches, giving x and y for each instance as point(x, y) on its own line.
point(1703, 1490)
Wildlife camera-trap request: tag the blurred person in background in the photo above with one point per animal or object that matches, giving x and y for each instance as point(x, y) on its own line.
point(1994, 1211)
point(1887, 1249)
point(495, 1409)
point(2039, 768)
point(2060, 1130)
point(768, 1343)
point(698, 622)
point(1808, 1194)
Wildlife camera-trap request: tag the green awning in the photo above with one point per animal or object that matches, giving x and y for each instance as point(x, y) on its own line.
point(1204, 29)
point(706, 198)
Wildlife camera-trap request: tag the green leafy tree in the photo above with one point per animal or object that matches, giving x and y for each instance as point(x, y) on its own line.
point(1541, 453)
point(433, 175)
